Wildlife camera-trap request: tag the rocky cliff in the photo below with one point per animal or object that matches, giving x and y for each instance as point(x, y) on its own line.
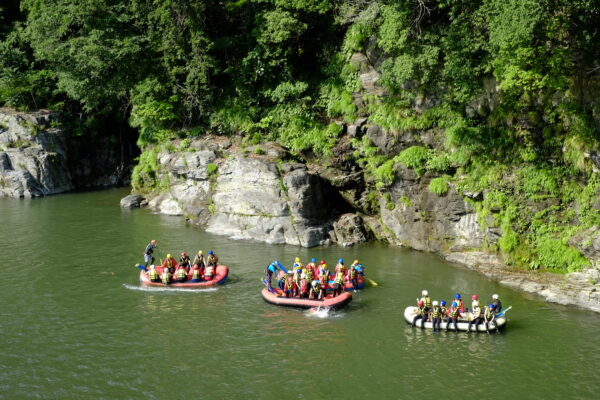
point(38, 157)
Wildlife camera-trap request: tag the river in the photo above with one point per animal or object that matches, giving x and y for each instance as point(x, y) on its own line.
point(76, 324)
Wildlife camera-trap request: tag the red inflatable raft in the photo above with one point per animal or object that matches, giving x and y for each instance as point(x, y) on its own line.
point(220, 276)
point(329, 302)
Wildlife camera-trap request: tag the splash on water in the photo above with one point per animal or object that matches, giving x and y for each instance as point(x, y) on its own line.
point(322, 312)
point(168, 289)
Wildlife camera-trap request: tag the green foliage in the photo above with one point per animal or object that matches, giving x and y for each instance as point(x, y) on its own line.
point(439, 185)
point(145, 173)
point(212, 170)
point(414, 157)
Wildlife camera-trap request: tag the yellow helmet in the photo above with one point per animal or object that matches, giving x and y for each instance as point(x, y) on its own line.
point(169, 256)
point(200, 252)
point(297, 259)
point(355, 261)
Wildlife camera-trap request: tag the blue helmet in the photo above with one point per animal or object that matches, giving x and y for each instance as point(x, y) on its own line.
point(491, 306)
point(341, 260)
point(454, 304)
point(313, 260)
point(457, 296)
point(443, 302)
point(210, 252)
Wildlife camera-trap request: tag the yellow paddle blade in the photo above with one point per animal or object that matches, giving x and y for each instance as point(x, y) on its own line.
point(373, 283)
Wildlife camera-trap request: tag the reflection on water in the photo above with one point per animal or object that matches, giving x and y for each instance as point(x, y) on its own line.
point(81, 326)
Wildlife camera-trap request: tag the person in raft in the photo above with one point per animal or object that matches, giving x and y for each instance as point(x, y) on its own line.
point(497, 303)
point(426, 301)
point(477, 317)
point(181, 274)
point(489, 316)
point(338, 283)
point(453, 314)
point(170, 263)
point(199, 261)
point(185, 262)
point(196, 273)
point(444, 311)
point(475, 302)
point(166, 276)
point(297, 266)
point(340, 266)
point(360, 269)
point(421, 314)
point(312, 267)
point(148, 256)
point(269, 271)
point(211, 265)
point(459, 302)
point(353, 276)
point(152, 274)
point(289, 286)
point(436, 316)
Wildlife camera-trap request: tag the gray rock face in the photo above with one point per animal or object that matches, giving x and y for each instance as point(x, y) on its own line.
point(425, 221)
point(588, 242)
point(349, 229)
point(247, 197)
point(33, 158)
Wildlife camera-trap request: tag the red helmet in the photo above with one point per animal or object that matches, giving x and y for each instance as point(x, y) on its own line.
point(153, 241)
point(421, 304)
point(184, 254)
point(322, 262)
point(474, 297)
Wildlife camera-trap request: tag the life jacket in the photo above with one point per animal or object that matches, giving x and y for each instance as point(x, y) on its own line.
point(199, 260)
point(421, 311)
point(444, 310)
point(324, 272)
point(436, 312)
point(474, 303)
point(459, 304)
point(184, 261)
point(210, 270)
point(339, 278)
point(323, 281)
point(476, 312)
point(497, 305)
point(315, 286)
point(152, 274)
point(289, 283)
point(196, 273)
point(489, 314)
point(453, 312)
point(352, 272)
point(426, 301)
point(212, 259)
point(170, 263)
point(340, 267)
point(165, 277)
point(181, 274)
point(309, 275)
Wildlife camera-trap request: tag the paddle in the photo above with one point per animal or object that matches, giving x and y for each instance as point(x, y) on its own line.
point(140, 266)
point(501, 313)
point(371, 281)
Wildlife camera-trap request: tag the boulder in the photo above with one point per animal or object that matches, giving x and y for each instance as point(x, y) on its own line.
point(349, 229)
point(132, 201)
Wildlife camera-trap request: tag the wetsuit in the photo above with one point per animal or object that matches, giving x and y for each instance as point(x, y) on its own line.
point(148, 256)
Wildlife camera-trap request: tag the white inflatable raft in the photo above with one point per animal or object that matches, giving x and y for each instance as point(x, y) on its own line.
point(462, 324)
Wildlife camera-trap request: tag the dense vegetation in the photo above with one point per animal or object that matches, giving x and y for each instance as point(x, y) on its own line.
point(507, 87)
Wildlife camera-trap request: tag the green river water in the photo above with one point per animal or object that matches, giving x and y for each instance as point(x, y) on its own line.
point(75, 322)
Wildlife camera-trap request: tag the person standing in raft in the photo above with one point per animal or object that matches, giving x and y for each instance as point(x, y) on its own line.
point(185, 262)
point(475, 302)
point(312, 267)
point(421, 314)
point(211, 265)
point(148, 256)
point(152, 274)
point(181, 274)
point(497, 303)
point(338, 283)
point(489, 316)
point(269, 271)
point(170, 263)
point(444, 311)
point(166, 276)
point(436, 316)
point(477, 317)
point(340, 266)
point(453, 314)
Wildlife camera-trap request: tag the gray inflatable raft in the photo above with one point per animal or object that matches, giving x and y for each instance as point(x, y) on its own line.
point(462, 324)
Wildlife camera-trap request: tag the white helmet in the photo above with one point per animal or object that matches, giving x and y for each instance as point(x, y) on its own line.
point(495, 296)
point(303, 276)
point(424, 292)
point(435, 303)
point(152, 267)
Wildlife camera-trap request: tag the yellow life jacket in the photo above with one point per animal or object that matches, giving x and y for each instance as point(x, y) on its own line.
point(210, 271)
point(165, 277)
point(181, 273)
point(454, 312)
point(436, 312)
point(426, 301)
point(339, 278)
point(476, 312)
point(196, 274)
point(170, 262)
point(152, 275)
